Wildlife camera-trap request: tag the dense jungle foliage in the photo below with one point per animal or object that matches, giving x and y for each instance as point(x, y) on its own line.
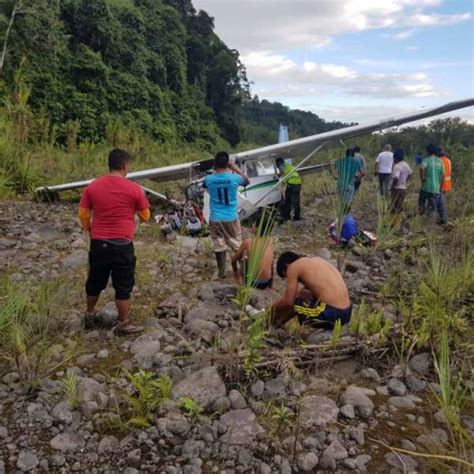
point(153, 65)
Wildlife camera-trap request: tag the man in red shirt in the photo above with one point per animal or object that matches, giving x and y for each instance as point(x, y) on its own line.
point(111, 203)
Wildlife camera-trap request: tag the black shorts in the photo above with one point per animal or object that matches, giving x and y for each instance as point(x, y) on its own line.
point(320, 315)
point(106, 259)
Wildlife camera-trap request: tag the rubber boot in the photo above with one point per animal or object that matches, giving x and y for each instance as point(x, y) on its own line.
point(221, 258)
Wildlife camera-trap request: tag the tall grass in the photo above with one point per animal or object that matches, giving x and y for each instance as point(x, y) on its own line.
point(29, 327)
point(452, 395)
point(437, 302)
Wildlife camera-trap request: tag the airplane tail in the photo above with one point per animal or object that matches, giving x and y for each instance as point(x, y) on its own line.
point(283, 138)
point(283, 134)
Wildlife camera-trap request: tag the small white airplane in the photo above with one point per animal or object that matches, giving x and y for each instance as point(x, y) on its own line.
point(259, 164)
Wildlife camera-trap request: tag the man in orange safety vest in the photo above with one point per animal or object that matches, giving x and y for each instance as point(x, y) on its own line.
point(446, 187)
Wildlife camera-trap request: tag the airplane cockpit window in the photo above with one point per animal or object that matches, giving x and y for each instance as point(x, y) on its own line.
point(265, 167)
point(251, 169)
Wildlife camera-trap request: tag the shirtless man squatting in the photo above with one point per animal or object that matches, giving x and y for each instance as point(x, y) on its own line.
point(322, 301)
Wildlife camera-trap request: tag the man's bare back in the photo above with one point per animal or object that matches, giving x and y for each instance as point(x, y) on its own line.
point(323, 280)
point(259, 250)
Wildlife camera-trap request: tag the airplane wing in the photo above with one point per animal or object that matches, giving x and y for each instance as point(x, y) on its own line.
point(293, 148)
point(303, 146)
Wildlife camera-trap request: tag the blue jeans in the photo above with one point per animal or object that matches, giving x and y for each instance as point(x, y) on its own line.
point(384, 183)
point(346, 195)
point(441, 208)
point(428, 202)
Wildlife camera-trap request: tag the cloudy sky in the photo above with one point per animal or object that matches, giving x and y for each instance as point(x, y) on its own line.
point(352, 60)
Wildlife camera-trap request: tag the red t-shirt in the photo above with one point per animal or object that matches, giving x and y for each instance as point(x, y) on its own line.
point(114, 201)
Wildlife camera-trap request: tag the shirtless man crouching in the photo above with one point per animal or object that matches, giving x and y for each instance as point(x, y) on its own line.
point(322, 301)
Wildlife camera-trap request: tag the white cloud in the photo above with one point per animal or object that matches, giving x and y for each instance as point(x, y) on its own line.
point(262, 25)
point(402, 35)
point(279, 76)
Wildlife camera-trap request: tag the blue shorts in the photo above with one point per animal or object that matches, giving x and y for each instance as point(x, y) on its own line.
point(320, 315)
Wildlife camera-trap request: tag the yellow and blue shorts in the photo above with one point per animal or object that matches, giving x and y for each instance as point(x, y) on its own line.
point(320, 315)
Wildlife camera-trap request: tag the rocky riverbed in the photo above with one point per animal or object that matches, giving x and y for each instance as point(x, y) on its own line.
point(365, 412)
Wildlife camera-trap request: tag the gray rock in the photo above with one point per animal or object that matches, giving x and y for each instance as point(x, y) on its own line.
point(67, 442)
point(336, 450)
point(421, 363)
point(11, 377)
point(370, 374)
point(383, 390)
point(348, 411)
point(6, 244)
point(275, 387)
point(174, 423)
point(402, 462)
point(107, 316)
point(134, 458)
point(404, 403)
point(357, 434)
point(324, 253)
point(132, 470)
point(353, 267)
point(362, 460)
point(175, 305)
point(257, 388)
point(307, 462)
point(3, 432)
point(145, 348)
point(206, 330)
point(237, 400)
point(415, 384)
point(62, 413)
point(317, 411)
point(103, 354)
point(26, 461)
point(468, 422)
point(433, 441)
point(89, 390)
point(221, 405)
point(408, 445)
point(2, 467)
point(85, 359)
point(108, 445)
point(204, 386)
point(242, 428)
point(357, 397)
point(396, 387)
point(76, 259)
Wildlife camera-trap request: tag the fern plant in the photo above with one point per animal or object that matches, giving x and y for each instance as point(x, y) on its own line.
point(148, 394)
point(192, 408)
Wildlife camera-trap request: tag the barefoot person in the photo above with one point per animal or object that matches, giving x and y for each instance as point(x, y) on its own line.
point(224, 225)
point(255, 255)
point(111, 202)
point(321, 301)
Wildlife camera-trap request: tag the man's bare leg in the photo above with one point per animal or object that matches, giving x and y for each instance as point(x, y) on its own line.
point(123, 308)
point(280, 316)
point(124, 326)
point(91, 303)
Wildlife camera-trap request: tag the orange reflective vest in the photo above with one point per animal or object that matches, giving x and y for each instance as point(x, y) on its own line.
point(447, 183)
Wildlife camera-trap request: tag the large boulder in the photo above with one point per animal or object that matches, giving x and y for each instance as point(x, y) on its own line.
point(317, 412)
point(357, 397)
point(204, 386)
point(242, 427)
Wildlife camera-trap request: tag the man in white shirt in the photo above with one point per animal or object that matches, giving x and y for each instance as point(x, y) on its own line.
point(383, 168)
point(401, 173)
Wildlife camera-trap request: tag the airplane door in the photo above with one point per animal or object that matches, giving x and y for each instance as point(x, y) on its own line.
point(262, 190)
